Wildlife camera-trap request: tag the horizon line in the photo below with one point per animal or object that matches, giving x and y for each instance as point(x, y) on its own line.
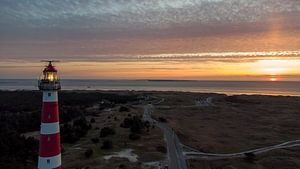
point(160, 80)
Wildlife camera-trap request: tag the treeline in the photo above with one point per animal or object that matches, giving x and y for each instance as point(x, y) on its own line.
point(90, 98)
point(22, 121)
point(21, 110)
point(17, 151)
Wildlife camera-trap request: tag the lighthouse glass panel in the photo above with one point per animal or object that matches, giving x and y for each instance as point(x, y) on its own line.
point(51, 76)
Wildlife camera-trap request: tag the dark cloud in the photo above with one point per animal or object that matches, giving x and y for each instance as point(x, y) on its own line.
point(113, 18)
point(77, 29)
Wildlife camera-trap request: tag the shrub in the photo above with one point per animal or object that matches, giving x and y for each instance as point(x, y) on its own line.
point(134, 136)
point(72, 133)
point(88, 153)
point(163, 120)
point(123, 109)
point(95, 140)
point(122, 166)
point(250, 157)
point(126, 123)
point(93, 120)
point(107, 144)
point(135, 124)
point(106, 131)
point(161, 149)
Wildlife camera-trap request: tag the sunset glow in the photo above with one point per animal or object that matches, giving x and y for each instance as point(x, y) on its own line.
point(273, 79)
point(167, 40)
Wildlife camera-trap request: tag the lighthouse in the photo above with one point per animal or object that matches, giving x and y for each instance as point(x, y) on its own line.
point(49, 147)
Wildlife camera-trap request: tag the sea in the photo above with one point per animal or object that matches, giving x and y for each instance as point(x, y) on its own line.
point(284, 88)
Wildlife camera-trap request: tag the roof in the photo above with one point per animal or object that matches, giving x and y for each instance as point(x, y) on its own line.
point(50, 68)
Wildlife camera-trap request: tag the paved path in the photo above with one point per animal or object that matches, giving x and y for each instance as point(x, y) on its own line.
point(213, 156)
point(176, 158)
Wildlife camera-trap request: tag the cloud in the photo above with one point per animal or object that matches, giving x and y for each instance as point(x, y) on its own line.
point(107, 15)
point(87, 29)
point(192, 57)
point(61, 20)
point(226, 57)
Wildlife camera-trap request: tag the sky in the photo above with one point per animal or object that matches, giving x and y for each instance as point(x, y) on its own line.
point(152, 39)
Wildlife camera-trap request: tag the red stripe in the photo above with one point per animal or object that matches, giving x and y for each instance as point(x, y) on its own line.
point(50, 112)
point(57, 167)
point(49, 145)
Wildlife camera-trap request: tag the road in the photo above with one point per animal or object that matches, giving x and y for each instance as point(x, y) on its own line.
point(212, 156)
point(176, 159)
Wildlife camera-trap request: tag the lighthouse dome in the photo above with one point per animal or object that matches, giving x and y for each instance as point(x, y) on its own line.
point(50, 68)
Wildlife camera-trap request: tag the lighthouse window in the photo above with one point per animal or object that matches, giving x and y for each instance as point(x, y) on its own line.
point(48, 161)
point(49, 94)
point(49, 139)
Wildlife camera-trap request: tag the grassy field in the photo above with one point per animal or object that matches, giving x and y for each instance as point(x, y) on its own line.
point(233, 124)
point(145, 148)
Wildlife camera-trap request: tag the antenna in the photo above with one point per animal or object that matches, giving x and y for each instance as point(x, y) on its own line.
point(50, 61)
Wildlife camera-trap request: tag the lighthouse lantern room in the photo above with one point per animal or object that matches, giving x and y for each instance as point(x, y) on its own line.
point(49, 79)
point(49, 147)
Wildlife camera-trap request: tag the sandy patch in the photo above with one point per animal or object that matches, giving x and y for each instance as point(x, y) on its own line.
point(127, 153)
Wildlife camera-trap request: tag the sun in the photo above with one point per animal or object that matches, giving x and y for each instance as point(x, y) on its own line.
point(273, 79)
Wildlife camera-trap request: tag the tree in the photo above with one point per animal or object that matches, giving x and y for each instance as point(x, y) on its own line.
point(250, 157)
point(135, 124)
point(92, 120)
point(88, 153)
point(162, 119)
point(161, 149)
point(134, 136)
point(123, 109)
point(122, 166)
point(107, 144)
point(106, 131)
point(95, 140)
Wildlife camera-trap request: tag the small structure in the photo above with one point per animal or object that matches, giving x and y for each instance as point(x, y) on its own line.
point(49, 148)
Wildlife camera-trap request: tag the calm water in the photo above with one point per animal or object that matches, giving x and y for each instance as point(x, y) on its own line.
point(227, 87)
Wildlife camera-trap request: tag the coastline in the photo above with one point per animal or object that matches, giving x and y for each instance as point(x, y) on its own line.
point(280, 88)
point(158, 91)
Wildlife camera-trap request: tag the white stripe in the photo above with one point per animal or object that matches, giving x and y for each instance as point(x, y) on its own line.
point(49, 162)
point(50, 128)
point(50, 96)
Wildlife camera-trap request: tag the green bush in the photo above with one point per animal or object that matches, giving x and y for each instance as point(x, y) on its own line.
point(88, 153)
point(92, 120)
point(123, 109)
point(95, 140)
point(107, 144)
point(106, 131)
point(134, 136)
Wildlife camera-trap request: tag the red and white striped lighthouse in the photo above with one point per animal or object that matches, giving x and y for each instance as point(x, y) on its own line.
point(49, 150)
